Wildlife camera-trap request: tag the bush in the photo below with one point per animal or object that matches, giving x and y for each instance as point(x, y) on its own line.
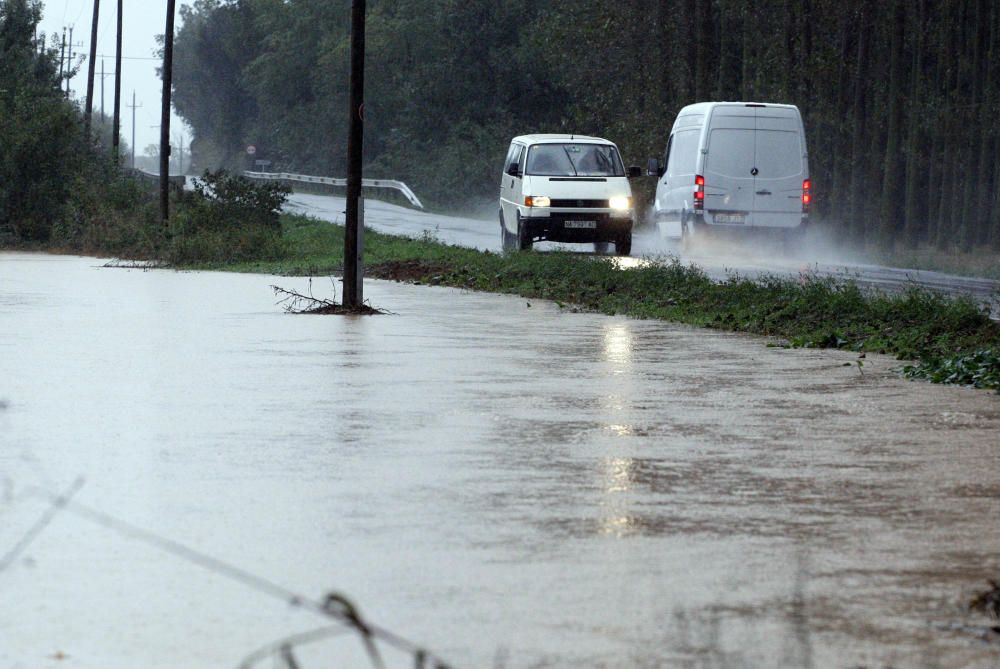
point(228, 219)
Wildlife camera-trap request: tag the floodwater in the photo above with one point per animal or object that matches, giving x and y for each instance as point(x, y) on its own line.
point(508, 484)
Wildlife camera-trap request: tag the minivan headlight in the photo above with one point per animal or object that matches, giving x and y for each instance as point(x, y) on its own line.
point(620, 202)
point(537, 201)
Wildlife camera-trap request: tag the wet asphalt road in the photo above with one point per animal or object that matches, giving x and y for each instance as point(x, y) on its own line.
point(511, 485)
point(719, 258)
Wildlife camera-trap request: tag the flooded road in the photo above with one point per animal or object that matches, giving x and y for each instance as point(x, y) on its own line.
point(509, 484)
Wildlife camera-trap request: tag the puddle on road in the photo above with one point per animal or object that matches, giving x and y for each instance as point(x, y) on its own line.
point(549, 488)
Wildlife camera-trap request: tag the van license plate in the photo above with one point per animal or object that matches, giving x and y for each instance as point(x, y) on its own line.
point(731, 218)
point(581, 224)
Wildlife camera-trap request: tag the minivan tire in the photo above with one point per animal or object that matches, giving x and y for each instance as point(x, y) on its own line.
point(506, 243)
point(524, 240)
point(623, 244)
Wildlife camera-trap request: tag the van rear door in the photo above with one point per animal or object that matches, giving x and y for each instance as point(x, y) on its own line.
point(780, 162)
point(729, 165)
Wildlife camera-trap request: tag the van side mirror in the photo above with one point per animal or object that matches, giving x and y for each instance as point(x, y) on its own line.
point(634, 172)
point(653, 168)
point(514, 170)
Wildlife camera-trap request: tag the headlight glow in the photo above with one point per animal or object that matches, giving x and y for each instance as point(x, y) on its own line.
point(537, 201)
point(620, 202)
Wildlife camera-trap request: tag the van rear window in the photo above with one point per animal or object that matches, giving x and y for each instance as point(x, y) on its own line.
point(779, 154)
point(731, 152)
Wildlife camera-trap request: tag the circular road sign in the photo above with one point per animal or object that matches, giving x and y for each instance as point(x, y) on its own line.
point(251, 150)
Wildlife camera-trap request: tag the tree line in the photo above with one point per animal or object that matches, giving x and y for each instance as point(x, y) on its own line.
point(900, 98)
point(57, 185)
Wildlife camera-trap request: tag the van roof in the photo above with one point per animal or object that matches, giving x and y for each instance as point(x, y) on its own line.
point(703, 107)
point(553, 139)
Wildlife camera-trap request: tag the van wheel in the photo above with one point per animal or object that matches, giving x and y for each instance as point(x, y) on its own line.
point(505, 237)
point(623, 244)
point(601, 248)
point(523, 236)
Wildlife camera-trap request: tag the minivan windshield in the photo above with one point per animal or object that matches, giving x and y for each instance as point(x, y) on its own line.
point(574, 160)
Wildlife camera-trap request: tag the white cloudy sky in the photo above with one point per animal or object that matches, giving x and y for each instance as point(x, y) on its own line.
point(142, 20)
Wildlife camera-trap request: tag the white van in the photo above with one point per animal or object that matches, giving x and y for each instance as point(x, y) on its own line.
point(566, 188)
point(735, 165)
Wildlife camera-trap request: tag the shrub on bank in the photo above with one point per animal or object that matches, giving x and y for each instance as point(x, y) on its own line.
point(228, 219)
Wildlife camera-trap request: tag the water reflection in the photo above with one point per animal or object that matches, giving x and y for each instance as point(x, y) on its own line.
point(616, 483)
point(618, 343)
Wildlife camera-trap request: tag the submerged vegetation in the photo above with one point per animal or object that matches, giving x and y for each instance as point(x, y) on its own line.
point(952, 340)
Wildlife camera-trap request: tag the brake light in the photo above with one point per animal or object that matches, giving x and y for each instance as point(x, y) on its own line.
point(806, 195)
point(699, 192)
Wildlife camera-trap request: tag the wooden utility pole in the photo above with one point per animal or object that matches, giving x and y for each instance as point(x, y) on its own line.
point(91, 64)
point(353, 267)
point(168, 71)
point(116, 131)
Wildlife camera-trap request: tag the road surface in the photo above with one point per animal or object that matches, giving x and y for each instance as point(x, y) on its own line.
point(720, 260)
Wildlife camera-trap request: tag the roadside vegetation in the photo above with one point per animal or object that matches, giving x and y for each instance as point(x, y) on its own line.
point(901, 116)
point(950, 340)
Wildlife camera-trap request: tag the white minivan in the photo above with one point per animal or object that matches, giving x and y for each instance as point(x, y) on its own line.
point(566, 188)
point(733, 165)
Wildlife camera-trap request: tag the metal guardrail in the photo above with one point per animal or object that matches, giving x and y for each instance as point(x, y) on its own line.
point(177, 182)
point(331, 181)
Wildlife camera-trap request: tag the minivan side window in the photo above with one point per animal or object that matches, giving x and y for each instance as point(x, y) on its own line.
point(683, 157)
point(512, 156)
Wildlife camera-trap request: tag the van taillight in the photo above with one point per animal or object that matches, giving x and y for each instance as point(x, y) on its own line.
point(806, 195)
point(699, 193)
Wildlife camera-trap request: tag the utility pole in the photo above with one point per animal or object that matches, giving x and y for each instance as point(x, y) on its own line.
point(89, 109)
point(353, 265)
point(62, 58)
point(133, 106)
point(69, 62)
point(116, 131)
point(102, 90)
point(168, 72)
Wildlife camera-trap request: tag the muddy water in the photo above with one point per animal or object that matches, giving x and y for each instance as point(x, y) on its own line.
point(510, 485)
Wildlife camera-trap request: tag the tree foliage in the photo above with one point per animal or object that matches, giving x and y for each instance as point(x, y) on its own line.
point(900, 99)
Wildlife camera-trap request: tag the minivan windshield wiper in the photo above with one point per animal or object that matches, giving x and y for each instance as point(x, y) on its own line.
point(565, 149)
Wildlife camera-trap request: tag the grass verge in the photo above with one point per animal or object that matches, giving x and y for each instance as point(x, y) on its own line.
point(951, 340)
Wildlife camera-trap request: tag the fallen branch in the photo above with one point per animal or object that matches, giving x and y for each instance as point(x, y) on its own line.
point(294, 302)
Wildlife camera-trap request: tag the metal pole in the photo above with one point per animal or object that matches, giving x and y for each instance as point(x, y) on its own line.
point(91, 64)
point(62, 59)
point(116, 131)
point(69, 62)
point(133, 106)
point(353, 267)
point(168, 71)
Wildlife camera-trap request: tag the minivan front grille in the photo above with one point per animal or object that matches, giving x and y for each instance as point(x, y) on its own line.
point(580, 204)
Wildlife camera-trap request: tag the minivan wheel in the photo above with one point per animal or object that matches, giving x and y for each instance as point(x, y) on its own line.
point(505, 237)
point(601, 248)
point(523, 236)
point(623, 244)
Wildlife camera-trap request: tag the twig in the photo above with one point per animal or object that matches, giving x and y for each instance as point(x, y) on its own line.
point(56, 504)
point(345, 616)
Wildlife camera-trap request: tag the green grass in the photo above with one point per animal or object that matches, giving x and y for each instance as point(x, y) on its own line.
point(952, 340)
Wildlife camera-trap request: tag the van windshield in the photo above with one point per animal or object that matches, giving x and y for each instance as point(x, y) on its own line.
point(574, 160)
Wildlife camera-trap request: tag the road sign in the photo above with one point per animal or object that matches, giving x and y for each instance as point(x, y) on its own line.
point(251, 150)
